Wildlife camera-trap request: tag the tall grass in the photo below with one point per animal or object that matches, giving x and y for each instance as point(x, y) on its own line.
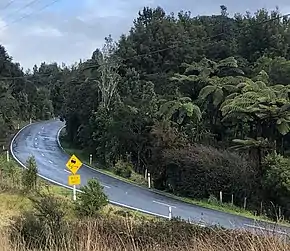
point(107, 233)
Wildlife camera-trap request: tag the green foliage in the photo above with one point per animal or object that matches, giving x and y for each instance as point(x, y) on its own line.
point(91, 199)
point(210, 170)
point(10, 175)
point(29, 177)
point(123, 169)
point(42, 227)
point(276, 180)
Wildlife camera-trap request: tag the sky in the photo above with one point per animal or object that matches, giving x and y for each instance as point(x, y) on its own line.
point(65, 31)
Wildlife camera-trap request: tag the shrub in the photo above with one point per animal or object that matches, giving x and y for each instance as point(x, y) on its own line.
point(276, 184)
point(91, 200)
point(29, 178)
point(123, 169)
point(200, 171)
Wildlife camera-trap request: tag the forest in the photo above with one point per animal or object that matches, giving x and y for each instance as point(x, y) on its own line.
point(202, 103)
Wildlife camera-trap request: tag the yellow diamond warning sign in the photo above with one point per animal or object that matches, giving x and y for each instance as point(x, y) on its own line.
point(74, 164)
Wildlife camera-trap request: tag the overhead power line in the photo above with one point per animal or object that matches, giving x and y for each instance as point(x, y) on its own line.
point(22, 8)
point(30, 14)
point(156, 51)
point(7, 5)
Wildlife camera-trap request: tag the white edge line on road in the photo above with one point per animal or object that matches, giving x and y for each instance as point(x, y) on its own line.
point(50, 162)
point(163, 204)
point(68, 187)
point(67, 171)
point(265, 229)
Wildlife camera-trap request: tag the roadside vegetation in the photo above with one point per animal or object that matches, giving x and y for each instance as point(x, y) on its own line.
point(212, 202)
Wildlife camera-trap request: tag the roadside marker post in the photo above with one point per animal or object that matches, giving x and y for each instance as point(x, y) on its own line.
point(74, 164)
point(7, 155)
point(91, 159)
point(149, 181)
point(166, 205)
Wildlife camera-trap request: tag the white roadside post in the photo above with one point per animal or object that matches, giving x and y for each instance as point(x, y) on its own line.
point(166, 205)
point(149, 181)
point(7, 156)
point(30, 121)
point(91, 159)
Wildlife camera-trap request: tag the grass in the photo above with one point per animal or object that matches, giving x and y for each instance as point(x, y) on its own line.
point(116, 234)
point(11, 205)
point(139, 180)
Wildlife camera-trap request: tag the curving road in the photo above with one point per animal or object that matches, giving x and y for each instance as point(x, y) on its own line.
point(40, 140)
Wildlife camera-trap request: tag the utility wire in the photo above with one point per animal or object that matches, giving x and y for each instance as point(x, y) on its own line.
point(156, 51)
point(30, 14)
point(7, 5)
point(22, 8)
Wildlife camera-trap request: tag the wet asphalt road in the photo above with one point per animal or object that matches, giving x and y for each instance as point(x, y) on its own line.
point(40, 140)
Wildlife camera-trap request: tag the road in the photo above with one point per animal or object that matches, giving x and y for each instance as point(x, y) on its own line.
point(40, 140)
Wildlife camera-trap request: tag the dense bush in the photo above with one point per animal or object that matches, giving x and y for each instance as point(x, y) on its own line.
point(199, 171)
point(123, 169)
point(276, 184)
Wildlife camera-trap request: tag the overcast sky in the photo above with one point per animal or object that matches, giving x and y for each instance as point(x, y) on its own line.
point(70, 30)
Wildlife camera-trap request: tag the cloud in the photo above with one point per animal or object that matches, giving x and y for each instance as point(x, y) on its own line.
point(71, 30)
